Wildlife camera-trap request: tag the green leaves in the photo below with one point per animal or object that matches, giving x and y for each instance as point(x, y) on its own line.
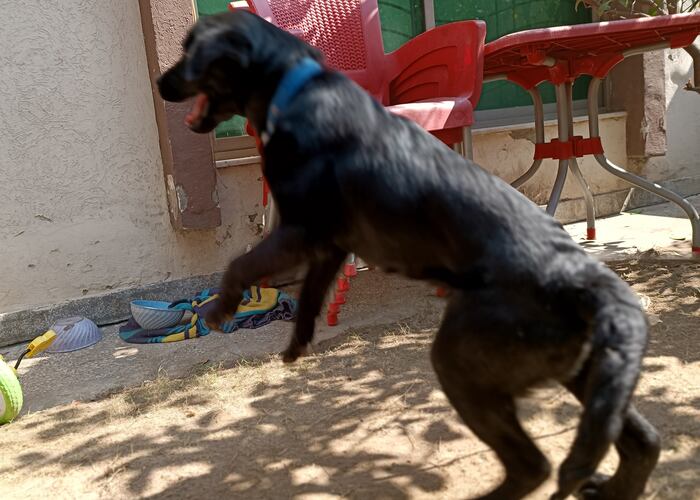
point(634, 8)
point(600, 6)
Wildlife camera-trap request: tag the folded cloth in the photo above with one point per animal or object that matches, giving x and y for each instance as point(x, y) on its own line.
point(259, 307)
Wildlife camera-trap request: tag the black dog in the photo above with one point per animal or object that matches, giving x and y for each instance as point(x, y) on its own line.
point(527, 304)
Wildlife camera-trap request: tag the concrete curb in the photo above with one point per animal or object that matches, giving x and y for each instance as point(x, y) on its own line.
point(614, 202)
point(686, 187)
point(606, 204)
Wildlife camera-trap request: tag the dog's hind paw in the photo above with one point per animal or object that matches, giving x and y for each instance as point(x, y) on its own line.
point(598, 487)
point(293, 352)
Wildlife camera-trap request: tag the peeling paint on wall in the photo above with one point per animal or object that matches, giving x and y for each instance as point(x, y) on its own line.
point(181, 198)
point(523, 135)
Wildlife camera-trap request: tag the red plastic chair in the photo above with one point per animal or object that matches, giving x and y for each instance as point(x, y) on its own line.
point(435, 79)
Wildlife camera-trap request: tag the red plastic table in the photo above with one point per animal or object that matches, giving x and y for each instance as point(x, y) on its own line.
point(560, 55)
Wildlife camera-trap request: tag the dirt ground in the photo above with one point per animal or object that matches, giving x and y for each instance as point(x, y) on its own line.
point(364, 418)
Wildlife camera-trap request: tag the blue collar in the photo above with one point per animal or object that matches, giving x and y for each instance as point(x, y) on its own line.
point(292, 82)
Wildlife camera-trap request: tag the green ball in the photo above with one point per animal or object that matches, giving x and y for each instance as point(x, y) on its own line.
point(11, 392)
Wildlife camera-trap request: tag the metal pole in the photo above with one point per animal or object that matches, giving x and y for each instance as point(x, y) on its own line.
point(429, 13)
point(467, 144)
point(573, 166)
point(539, 137)
point(563, 123)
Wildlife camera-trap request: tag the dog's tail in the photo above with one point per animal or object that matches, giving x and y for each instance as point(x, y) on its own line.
point(607, 380)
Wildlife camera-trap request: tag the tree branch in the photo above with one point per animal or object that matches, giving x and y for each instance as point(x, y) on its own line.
point(694, 52)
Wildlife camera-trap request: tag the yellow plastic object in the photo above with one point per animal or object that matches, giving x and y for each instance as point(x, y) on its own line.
point(11, 398)
point(40, 343)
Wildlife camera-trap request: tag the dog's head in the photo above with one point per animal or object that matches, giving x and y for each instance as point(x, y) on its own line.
point(232, 63)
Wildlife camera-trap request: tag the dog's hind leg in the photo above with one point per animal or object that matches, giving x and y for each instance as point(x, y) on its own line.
point(318, 278)
point(605, 388)
point(638, 448)
point(464, 375)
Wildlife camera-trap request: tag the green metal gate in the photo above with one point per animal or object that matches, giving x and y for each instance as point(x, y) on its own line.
point(404, 19)
point(509, 16)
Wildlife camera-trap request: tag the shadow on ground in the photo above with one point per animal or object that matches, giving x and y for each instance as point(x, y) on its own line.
point(363, 419)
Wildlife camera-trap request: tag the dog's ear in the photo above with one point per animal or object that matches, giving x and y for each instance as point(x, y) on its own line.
point(208, 51)
point(316, 54)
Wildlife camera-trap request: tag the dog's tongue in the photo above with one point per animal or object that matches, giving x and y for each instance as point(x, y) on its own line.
point(199, 109)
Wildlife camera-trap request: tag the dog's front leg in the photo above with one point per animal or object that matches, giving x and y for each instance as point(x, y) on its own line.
point(316, 283)
point(283, 249)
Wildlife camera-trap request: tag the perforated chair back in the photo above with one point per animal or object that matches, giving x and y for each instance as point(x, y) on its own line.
point(348, 32)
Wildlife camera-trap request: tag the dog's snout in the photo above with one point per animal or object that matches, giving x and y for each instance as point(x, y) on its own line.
point(172, 87)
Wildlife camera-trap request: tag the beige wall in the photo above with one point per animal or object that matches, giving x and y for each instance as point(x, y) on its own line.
point(82, 198)
point(508, 153)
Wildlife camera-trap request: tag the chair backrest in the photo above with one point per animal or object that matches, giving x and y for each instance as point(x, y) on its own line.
point(348, 32)
point(446, 61)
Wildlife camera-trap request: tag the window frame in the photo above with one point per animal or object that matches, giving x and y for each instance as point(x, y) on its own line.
point(189, 171)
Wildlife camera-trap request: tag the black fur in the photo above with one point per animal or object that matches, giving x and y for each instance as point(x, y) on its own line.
point(527, 304)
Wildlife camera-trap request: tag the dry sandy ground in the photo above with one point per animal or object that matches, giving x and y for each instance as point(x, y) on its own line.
point(363, 419)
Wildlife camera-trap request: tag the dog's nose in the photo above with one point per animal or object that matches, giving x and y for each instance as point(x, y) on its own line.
point(173, 87)
point(160, 84)
point(163, 84)
point(167, 88)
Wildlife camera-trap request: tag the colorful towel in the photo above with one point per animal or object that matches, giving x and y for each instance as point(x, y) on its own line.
point(260, 306)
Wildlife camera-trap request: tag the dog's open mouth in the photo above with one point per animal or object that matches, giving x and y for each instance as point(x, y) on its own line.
point(199, 111)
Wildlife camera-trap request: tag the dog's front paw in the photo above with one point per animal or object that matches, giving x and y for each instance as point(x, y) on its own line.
point(224, 310)
point(293, 352)
point(216, 317)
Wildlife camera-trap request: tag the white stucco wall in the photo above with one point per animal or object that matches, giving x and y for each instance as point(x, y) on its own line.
point(82, 199)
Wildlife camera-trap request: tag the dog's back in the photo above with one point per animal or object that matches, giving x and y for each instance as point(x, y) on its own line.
point(398, 196)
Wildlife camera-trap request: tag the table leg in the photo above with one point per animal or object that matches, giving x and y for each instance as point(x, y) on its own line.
point(563, 113)
point(635, 180)
point(270, 216)
point(558, 187)
point(539, 137)
point(270, 222)
point(587, 196)
point(350, 269)
point(467, 144)
point(573, 166)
